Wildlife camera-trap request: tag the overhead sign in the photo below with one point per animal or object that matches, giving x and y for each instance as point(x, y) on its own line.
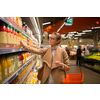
point(69, 22)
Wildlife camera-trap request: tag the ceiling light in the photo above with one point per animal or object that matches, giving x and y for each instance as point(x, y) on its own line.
point(78, 35)
point(87, 31)
point(81, 33)
point(46, 23)
point(61, 27)
point(95, 27)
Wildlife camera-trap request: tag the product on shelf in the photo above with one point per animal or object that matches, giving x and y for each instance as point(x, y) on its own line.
point(19, 21)
point(10, 65)
point(3, 35)
point(4, 66)
point(0, 73)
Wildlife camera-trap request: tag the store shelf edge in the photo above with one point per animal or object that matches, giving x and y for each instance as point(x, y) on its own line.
point(10, 78)
point(5, 51)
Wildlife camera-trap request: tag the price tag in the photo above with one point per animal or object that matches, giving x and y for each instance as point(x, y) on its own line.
point(13, 50)
point(20, 49)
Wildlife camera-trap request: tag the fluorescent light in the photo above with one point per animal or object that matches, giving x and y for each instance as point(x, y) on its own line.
point(81, 33)
point(87, 31)
point(36, 25)
point(46, 23)
point(95, 27)
point(78, 35)
point(61, 27)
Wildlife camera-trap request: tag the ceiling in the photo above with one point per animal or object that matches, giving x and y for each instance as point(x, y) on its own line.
point(79, 24)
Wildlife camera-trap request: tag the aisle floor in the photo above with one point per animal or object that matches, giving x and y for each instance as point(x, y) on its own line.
point(90, 77)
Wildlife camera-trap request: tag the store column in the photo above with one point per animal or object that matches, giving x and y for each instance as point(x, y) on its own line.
point(95, 39)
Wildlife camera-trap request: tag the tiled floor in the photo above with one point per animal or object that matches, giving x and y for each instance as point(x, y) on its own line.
point(90, 77)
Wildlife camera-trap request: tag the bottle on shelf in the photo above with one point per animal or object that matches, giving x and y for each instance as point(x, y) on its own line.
point(10, 65)
point(3, 35)
point(4, 66)
point(0, 74)
point(9, 38)
point(12, 35)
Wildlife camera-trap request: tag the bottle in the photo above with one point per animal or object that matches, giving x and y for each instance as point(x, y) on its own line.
point(23, 26)
point(4, 67)
point(9, 38)
point(16, 37)
point(11, 34)
point(3, 35)
point(0, 73)
point(10, 65)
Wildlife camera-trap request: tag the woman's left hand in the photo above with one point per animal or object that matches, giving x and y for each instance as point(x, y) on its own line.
point(58, 63)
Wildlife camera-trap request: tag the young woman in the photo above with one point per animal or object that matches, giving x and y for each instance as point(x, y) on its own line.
point(55, 60)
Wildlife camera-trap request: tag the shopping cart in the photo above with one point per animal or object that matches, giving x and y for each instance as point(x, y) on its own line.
point(74, 78)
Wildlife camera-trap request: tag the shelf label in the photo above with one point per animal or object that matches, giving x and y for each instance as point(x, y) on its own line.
point(13, 50)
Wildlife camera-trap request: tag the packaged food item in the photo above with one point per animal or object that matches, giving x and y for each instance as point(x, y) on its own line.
point(9, 38)
point(4, 66)
point(3, 34)
point(0, 73)
point(12, 35)
point(10, 65)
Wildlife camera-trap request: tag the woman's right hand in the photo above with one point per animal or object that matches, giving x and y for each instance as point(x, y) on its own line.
point(22, 44)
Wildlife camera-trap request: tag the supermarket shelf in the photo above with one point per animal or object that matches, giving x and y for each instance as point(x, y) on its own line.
point(5, 51)
point(25, 33)
point(7, 22)
point(14, 26)
point(29, 72)
point(16, 73)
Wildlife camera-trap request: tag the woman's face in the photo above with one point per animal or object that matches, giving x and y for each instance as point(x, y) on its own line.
point(53, 40)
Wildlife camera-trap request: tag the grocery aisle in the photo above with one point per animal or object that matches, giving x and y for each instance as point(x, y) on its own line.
point(90, 77)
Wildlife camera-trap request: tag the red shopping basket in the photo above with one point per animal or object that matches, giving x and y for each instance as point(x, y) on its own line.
point(76, 78)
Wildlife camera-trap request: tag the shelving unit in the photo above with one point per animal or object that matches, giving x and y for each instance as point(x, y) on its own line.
point(15, 26)
point(17, 72)
point(29, 71)
point(20, 69)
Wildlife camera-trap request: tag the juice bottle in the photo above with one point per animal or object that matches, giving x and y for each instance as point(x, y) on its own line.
point(3, 34)
point(16, 61)
point(10, 65)
point(0, 73)
point(11, 56)
point(8, 35)
point(11, 35)
point(4, 67)
point(16, 38)
point(14, 32)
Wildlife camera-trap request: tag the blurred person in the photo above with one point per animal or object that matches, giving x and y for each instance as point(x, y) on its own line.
point(55, 60)
point(79, 51)
point(67, 50)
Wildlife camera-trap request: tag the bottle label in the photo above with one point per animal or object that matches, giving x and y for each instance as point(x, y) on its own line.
point(10, 69)
point(0, 76)
point(5, 72)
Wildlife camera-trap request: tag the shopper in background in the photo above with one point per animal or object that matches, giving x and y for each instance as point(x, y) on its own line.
point(79, 51)
point(67, 50)
point(55, 60)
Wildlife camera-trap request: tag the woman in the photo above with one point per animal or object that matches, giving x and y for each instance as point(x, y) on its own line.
point(55, 60)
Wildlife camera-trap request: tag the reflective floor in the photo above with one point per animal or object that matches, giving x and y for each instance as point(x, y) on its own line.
point(90, 77)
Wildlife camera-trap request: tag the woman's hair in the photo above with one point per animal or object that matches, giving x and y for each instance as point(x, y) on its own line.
point(58, 36)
